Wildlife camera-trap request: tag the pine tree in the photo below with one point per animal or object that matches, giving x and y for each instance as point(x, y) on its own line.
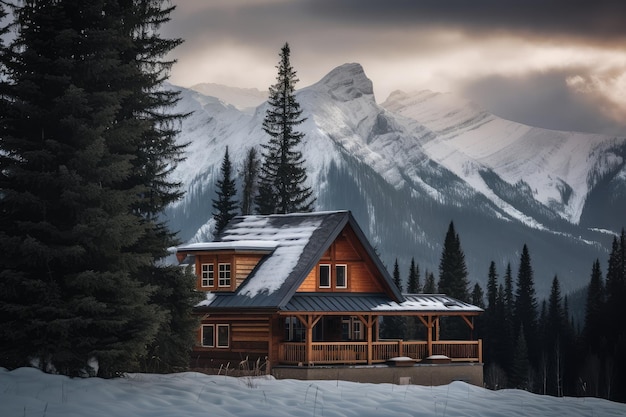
point(430, 286)
point(478, 296)
point(452, 269)
point(526, 305)
point(492, 287)
point(225, 205)
point(413, 282)
point(282, 177)
point(250, 174)
point(520, 372)
point(87, 146)
point(554, 337)
point(393, 326)
point(593, 330)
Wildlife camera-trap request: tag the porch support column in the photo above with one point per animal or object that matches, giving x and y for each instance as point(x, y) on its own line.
point(309, 322)
point(429, 333)
point(369, 321)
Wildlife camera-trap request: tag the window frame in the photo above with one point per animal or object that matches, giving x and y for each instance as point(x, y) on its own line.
point(329, 276)
point(345, 276)
point(218, 338)
point(210, 275)
point(221, 275)
point(212, 333)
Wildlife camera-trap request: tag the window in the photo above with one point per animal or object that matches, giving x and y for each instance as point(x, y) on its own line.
point(324, 276)
point(294, 330)
point(224, 275)
point(207, 275)
point(352, 329)
point(212, 332)
point(223, 333)
point(340, 276)
point(208, 335)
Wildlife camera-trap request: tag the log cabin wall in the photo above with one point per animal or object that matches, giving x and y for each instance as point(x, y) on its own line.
point(249, 338)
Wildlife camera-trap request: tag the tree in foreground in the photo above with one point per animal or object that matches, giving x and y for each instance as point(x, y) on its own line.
point(87, 146)
point(282, 177)
point(225, 205)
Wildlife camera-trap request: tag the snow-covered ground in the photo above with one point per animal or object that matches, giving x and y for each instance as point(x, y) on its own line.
point(28, 392)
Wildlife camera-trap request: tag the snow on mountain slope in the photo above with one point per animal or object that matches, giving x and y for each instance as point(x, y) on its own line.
point(559, 168)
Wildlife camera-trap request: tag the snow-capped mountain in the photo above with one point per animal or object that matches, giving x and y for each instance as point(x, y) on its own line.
point(409, 166)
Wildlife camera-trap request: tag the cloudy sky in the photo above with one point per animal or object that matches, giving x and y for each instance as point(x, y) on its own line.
point(558, 64)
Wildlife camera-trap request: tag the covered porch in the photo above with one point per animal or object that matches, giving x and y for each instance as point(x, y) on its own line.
point(349, 337)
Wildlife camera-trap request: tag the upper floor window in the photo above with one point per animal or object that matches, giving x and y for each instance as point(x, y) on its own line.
point(223, 275)
point(341, 277)
point(324, 276)
point(208, 279)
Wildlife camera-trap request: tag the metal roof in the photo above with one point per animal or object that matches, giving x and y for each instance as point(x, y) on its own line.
point(377, 303)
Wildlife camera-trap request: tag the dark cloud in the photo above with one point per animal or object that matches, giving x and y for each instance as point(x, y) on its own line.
point(544, 99)
point(601, 20)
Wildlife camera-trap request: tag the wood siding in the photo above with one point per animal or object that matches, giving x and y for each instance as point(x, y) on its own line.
point(346, 250)
point(244, 264)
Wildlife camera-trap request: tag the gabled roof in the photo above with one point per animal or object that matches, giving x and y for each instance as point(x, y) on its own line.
point(300, 241)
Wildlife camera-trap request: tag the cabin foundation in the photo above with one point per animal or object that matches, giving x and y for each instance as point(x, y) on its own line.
point(417, 374)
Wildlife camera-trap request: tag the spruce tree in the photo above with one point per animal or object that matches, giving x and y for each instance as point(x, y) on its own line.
point(526, 305)
point(452, 269)
point(492, 287)
point(478, 296)
point(249, 175)
point(282, 177)
point(430, 285)
point(593, 329)
point(225, 206)
point(413, 282)
point(87, 146)
point(394, 326)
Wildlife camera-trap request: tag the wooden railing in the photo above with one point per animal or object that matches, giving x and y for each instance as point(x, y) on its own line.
point(356, 352)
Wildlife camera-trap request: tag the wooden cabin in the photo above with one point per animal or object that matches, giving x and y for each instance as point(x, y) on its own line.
point(307, 290)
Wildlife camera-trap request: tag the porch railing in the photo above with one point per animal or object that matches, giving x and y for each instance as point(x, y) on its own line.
point(294, 353)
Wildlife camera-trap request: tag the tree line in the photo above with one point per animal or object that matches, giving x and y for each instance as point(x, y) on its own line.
point(529, 343)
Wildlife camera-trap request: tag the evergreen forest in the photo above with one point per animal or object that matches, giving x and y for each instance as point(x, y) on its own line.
point(530, 343)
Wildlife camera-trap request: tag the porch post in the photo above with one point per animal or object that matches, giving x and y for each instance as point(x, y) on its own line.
point(370, 328)
point(429, 338)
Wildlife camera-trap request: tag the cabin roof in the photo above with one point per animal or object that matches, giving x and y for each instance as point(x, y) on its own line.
point(299, 240)
point(337, 302)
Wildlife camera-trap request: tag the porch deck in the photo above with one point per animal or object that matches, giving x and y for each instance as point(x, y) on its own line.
point(330, 353)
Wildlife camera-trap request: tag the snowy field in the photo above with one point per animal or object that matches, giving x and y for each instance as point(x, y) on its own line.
point(27, 392)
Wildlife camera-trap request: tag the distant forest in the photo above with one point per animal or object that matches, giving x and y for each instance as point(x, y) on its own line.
point(528, 343)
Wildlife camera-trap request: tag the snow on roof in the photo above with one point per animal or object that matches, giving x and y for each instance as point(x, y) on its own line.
point(428, 302)
point(290, 242)
point(263, 245)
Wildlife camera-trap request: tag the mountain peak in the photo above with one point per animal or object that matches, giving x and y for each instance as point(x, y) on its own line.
point(346, 82)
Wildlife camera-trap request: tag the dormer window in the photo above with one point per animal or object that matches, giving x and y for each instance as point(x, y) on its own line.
point(223, 275)
point(208, 279)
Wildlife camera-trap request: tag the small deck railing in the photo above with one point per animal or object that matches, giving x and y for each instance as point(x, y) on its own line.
point(294, 353)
